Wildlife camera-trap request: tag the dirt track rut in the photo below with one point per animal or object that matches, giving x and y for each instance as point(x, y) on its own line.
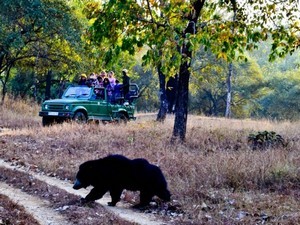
point(39, 209)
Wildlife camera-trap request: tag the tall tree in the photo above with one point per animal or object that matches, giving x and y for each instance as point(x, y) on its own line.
point(181, 112)
point(31, 29)
point(230, 71)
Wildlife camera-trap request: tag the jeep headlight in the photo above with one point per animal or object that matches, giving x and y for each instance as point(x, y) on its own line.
point(67, 107)
point(46, 107)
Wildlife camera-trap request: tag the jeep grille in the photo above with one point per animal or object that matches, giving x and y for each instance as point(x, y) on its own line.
point(55, 107)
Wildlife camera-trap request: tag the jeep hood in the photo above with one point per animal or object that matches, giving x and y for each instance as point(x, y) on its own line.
point(64, 101)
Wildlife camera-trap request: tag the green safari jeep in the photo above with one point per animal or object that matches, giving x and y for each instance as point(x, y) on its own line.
point(84, 103)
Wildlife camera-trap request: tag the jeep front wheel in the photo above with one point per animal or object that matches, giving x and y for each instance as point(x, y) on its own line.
point(47, 121)
point(80, 117)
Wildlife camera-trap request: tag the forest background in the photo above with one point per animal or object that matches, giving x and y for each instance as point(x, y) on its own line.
point(46, 44)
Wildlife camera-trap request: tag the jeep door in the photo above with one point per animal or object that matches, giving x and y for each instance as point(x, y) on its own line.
point(101, 109)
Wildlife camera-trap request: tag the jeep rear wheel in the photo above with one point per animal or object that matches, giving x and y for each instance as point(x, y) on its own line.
point(122, 119)
point(80, 117)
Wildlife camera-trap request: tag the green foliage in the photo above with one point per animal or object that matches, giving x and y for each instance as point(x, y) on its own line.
point(37, 35)
point(208, 86)
point(24, 22)
point(281, 101)
point(149, 99)
point(128, 26)
point(290, 62)
point(21, 84)
point(265, 139)
point(248, 87)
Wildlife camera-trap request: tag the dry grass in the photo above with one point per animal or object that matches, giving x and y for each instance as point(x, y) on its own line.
point(215, 175)
point(19, 114)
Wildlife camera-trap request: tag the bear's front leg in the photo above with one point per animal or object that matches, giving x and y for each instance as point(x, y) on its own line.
point(145, 198)
point(95, 193)
point(115, 194)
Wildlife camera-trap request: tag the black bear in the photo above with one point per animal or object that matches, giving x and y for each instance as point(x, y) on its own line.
point(115, 173)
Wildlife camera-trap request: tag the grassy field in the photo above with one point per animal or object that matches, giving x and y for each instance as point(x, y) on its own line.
point(214, 176)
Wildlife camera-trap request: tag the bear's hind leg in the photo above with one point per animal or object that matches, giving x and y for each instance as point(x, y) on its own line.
point(115, 194)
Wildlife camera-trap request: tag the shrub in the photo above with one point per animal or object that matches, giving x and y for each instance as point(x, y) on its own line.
point(265, 139)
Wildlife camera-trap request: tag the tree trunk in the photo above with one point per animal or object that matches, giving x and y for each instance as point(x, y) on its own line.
point(3, 93)
point(228, 81)
point(228, 99)
point(4, 84)
point(48, 85)
point(181, 110)
point(171, 92)
point(161, 116)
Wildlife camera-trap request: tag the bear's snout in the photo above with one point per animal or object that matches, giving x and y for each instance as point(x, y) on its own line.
point(77, 185)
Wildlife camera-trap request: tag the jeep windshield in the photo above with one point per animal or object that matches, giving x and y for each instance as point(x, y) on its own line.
point(77, 92)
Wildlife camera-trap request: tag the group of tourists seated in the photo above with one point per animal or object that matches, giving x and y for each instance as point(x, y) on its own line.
point(116, 92)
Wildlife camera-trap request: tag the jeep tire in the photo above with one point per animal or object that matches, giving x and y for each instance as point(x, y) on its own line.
point(47, 121)
point(122, 118)
point(80, 117)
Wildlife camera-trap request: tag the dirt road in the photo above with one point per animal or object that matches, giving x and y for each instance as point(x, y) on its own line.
point(41, 210)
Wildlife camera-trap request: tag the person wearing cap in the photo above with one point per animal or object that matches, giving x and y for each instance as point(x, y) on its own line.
point(82, 80)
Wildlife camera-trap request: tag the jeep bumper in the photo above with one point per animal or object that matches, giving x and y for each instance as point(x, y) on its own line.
point(66, 115)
